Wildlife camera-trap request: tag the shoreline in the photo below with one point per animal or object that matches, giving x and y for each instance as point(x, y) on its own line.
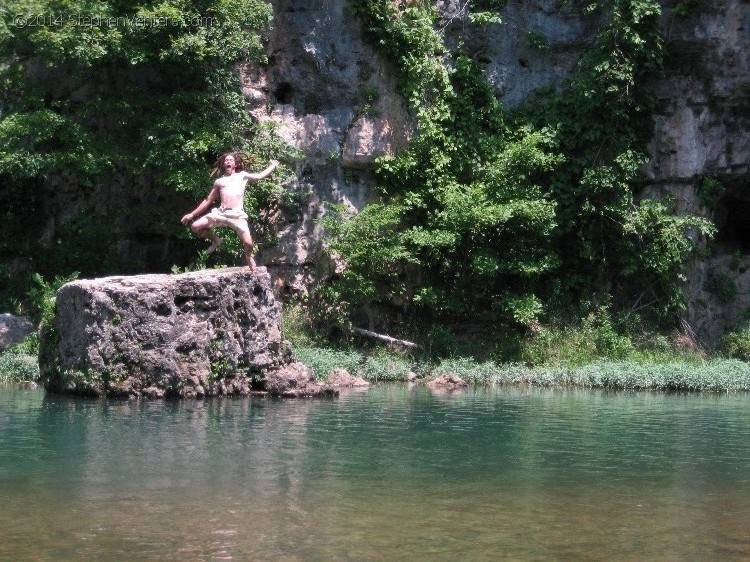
point(706, 375)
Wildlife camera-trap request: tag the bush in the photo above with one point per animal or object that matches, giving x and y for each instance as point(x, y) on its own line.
point(596, 338)
point(723, 286)
point(737, 344)
point(20, 363)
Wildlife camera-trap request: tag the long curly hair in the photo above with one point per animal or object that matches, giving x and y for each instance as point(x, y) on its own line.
point(241, 159)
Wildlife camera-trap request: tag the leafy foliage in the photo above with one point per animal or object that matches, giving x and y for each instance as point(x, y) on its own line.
point(18, 363)
point(710, 191)
point(159, 91)
point(684, 8)
point(737, 344)
point(465, 205)
point(42, 296)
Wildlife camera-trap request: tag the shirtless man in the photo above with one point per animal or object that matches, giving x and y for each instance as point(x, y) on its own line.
point(229, 191)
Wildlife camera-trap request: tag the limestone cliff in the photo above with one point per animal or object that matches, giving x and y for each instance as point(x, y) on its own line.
point(333, 97)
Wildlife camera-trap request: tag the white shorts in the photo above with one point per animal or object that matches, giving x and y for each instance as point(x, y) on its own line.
point(236, 219)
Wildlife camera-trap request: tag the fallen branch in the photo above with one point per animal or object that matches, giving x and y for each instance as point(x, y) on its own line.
point(385, 338)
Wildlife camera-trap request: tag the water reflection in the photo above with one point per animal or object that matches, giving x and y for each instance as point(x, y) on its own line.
point(394, 472)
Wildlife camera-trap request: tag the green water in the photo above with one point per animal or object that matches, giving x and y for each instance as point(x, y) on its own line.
point(388, 474)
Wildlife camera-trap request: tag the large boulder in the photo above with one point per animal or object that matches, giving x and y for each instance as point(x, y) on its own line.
point(211, 332)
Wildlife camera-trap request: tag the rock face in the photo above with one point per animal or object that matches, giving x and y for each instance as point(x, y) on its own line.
point(13, 329)
point(212, 332)
point(702, 130)
point(331, 96)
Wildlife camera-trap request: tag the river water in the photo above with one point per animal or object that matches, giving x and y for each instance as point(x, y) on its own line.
point(392, 473)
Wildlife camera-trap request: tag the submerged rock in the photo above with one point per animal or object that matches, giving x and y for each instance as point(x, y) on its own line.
point(340, 378)
point(204, 333)
point(295, 380)
point(447, 383)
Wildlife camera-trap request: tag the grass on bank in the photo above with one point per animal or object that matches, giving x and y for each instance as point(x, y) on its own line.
point(713, 375)
point(19, 363)
point(593, 355)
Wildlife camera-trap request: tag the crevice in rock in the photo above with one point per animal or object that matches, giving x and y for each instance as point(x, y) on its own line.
point(283, 93)
point(733, 223)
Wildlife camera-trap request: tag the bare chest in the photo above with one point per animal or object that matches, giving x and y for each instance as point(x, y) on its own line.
point(232, 186)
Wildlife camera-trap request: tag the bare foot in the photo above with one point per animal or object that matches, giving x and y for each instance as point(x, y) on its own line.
point(215, 244)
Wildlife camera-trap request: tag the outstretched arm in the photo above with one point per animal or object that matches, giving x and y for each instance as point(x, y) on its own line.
point(264, 174)
point(202, 206)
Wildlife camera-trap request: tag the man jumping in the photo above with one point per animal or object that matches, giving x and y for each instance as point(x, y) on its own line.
point(229, 191)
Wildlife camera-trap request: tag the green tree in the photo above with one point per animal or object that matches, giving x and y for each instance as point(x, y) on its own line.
point(139, 92)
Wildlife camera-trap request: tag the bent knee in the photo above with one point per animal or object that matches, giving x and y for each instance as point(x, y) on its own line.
point(200, 226)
